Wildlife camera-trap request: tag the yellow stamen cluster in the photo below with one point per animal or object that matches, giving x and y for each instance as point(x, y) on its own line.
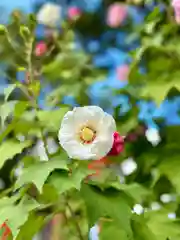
point(87, 134)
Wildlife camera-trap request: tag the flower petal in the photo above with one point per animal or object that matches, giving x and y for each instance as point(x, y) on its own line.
point(91, 116)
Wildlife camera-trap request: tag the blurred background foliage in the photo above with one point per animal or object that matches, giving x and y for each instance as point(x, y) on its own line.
point(129, 66)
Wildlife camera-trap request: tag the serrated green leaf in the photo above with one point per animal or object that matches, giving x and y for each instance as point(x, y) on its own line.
point(10, 148)
point(107, 204)
point(63, 181)
point(15, 215)
point(39, 172)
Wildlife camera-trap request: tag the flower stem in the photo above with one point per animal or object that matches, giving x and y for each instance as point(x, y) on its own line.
point(75, 222)
point(29, 61)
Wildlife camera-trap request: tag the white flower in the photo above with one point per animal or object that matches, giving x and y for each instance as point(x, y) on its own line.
point(86, 133)
point(49, 14)
point(153, 136)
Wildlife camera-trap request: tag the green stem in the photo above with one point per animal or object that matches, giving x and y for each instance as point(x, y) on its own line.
point(30, 71)
point(29, 62)
point(75, 222)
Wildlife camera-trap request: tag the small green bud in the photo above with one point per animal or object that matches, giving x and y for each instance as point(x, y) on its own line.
point(24, 32)
point(3, 29)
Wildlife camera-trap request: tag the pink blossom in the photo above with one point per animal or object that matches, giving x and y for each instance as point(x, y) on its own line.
point(40, 49)
point(122, 72)
point(176, 6)
point(73, 13)
point(116, 14)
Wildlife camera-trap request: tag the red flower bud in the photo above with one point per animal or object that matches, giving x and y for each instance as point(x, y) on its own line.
point(40, 49)
point(118, 145)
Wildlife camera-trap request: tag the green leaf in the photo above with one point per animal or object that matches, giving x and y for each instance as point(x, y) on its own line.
point(49, 194)
point(162, 226)
point(10, 148)
point(134, 190)
point(26, 127)
point(31, 227)
point(20, 108)
point(112, 231)
point(159, 90)
point(12, 108)
point(9, 90)
point(141, 230)
point(171, 135)
point(52, 119)
point(171, 168)
point(153, 15)
point(16, 215)
point(39, 172)
point(107, 204)
point(6, 110)
point(64, 181)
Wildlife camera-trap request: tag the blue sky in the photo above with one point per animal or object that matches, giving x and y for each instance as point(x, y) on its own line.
point(9, 5)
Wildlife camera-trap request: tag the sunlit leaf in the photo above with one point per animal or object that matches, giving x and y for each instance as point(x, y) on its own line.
point(10, 148)
point(39, 172)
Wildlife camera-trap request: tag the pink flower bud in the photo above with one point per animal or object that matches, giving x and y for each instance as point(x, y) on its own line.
point(176, 6)
point(73, 13)
point(118, 145)
point(116, 15)
point(123, 72)
point(40, 49)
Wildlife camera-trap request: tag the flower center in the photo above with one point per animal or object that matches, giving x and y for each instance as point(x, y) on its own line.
point(87, 135)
